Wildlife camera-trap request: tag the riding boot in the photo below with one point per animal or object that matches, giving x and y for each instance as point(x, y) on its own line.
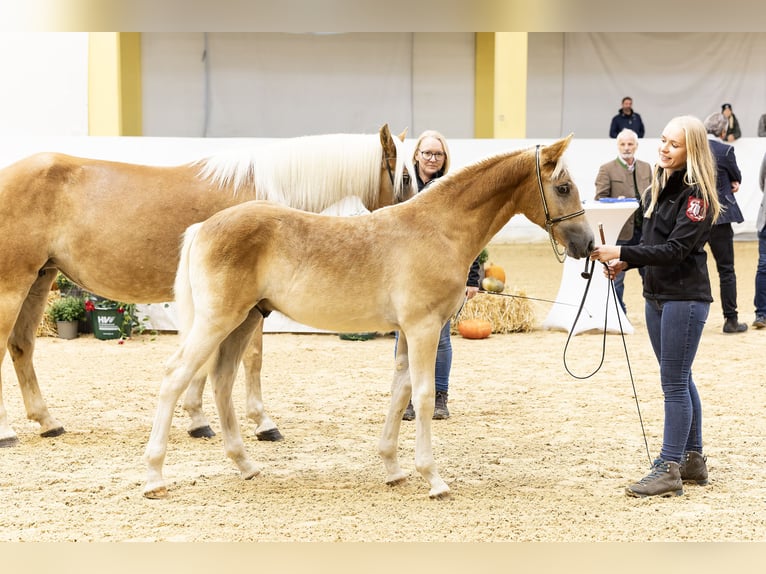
point(409, 412)
point(663, 480)
point(440, 406)
point(694, 468)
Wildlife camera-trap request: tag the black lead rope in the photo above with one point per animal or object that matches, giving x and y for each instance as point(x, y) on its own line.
point(611, 291)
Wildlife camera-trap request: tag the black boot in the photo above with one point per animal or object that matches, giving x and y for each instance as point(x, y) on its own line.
point(409, 412)
point(663, 480)
point(440, 406)
point(694, 468)
point(732, 325)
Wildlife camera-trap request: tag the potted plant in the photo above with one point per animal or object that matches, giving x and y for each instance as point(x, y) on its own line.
point(111, 319)
point(66, 312)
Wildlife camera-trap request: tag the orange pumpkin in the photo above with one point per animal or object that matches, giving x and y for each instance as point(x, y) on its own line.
point(474, 328)
point(494, 271)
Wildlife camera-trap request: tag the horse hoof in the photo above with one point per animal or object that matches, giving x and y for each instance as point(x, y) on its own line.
point(396, 479)
point(156, 493)
point(58, 431)
point(9, 441)
point(444, 495)
point(271, 435)
point(202, 432)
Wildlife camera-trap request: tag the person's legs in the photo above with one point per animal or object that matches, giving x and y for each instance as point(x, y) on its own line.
point(760, 282)
point(722, 247)
point(675, 329)
point(443, 368)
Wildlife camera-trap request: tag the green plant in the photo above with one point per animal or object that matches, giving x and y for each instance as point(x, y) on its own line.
point(67, 309)
point(483, 256)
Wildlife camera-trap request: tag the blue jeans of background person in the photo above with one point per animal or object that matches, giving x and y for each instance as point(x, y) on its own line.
point(675, 329)
point(443, 358)
point(760, 275)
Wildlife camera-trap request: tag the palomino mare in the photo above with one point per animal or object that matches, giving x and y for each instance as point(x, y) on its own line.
point(257, 257)
point(115, 229)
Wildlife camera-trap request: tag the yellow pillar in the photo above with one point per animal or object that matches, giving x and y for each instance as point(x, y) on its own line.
point(510, 104)
point(484, 86)
point(114, 84)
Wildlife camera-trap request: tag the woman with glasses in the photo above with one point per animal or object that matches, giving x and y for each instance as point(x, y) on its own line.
point(431, 161)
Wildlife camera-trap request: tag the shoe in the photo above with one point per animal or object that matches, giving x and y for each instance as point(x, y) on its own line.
point(663, 480)
point(760, 321)
point(693, 468)
point(409, 412)
point(440, 406)
point(732, 325)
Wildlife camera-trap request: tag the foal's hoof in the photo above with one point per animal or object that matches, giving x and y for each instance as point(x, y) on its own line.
point(8, 442)
point(58, 431)
point(202, 432)
point(271, 435)
point(156, 493)
point(440, 496)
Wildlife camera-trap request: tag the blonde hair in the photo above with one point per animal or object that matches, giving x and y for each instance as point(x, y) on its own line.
point(436, 135)
point(700, 166)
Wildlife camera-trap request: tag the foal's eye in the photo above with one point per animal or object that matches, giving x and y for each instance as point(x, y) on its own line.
point(563, 188)
point(406, 179)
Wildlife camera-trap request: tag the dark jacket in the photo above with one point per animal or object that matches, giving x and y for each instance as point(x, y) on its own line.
point(622, 121)
point(726, 172)
point(474, 275)
point(672, 245)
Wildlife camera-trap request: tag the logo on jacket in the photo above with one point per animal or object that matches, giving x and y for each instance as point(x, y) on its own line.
point(695, 209)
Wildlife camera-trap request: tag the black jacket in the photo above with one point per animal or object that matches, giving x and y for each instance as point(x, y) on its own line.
point(727, 171)
point(672, 245)
point(622, 121)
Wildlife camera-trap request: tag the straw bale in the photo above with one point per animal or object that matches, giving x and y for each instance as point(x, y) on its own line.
point(509, 313)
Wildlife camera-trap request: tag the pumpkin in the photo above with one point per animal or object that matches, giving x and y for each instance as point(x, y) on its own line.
point(495, 271)
point(474, 328)
point(493, 285)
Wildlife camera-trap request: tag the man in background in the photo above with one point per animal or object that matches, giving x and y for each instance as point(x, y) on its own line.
point(728, 178)
point(626, 118)
point(625, 176)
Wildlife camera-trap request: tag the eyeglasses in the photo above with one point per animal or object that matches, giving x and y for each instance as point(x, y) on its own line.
point(437, 155)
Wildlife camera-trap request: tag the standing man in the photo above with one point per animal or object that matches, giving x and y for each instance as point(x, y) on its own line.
point(728, 178)
point(626, 118)
point(625, 176)
point(760, 274)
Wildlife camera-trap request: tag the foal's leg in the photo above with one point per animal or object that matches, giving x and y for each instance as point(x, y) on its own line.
point(194, 352)
point(21, 346)
point(252, 360)
point(422, 361)
point(222, 375)
point(400, 394)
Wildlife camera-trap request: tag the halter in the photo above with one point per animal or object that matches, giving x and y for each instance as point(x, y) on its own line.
point(549, 223)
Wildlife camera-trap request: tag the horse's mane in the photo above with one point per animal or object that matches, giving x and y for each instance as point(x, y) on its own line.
point(309, 172)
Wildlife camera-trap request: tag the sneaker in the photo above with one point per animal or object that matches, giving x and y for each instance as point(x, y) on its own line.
point(693, 468)
point(440, 406)
point(760, 321)
point(663, 480)
point(409, 412)
point(732, 325)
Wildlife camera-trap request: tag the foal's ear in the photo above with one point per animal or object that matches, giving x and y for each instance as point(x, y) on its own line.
point(403, 135)
point(553, 152)
point(387, 142)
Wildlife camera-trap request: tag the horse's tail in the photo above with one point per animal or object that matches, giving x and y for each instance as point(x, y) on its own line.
point(182, 286)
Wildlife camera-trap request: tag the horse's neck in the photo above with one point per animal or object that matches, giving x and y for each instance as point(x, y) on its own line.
point(485, 197)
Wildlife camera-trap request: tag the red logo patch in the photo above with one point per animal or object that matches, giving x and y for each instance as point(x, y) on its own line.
point(695, 209)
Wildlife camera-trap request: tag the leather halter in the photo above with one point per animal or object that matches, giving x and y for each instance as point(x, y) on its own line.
point(549, 223)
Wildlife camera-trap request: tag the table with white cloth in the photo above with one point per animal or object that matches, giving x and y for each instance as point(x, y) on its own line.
point(611, 213)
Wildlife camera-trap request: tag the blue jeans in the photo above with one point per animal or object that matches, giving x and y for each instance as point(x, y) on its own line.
point(675, 329)
point(760, 275)
point(443, 358)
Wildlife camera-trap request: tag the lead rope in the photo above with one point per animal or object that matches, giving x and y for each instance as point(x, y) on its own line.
point(611, 291)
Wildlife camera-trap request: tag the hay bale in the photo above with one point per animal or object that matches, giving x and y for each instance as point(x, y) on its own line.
point(507, 314)
point(47, 327)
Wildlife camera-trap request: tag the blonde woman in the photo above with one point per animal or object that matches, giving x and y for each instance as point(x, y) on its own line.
point(680, 207)
point(431, 160)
